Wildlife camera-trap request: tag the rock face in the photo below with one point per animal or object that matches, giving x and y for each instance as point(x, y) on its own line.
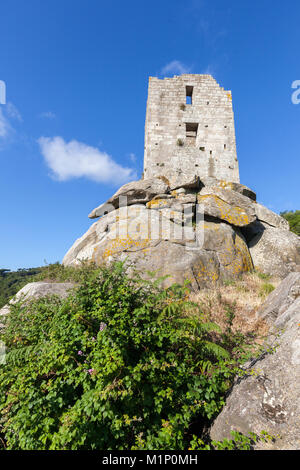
point(276, 251)
point(34, 290)
point(279, 301)
point(136, 192)
point(152, 240)
point(199, 230)
point(227, 205)
point(266, 216)
point(268, 398)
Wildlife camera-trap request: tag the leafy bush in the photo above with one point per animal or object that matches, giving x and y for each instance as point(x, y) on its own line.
point(293, 218)
point(12, 281)
point(118, 365)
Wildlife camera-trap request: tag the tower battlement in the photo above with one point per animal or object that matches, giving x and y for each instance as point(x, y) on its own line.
point(189, 129)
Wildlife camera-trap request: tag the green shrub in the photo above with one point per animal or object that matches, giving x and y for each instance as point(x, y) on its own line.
point(263, 276)
point(293, 218)
point(266, 289)
point(117, 365)
point(12, 281)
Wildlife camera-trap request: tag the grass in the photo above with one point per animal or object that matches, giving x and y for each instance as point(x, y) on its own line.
point(242, 297)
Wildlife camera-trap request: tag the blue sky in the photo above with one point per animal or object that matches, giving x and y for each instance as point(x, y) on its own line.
point(76, 74)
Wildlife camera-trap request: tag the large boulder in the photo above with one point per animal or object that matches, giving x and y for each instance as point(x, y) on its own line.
point(281, 298)
point(35, 290)
point(267, 398)
point(210, 182)
point(136, 192)
point(275, 251)
point(227, 205)
point(171, 206)
point(153, 240)
point(269, 217)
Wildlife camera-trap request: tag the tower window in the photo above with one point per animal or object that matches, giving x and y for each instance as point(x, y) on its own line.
point(191, 129)
point(189, 94)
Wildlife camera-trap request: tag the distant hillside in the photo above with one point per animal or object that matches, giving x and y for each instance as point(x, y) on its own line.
point(12, 281)
point(293, 218)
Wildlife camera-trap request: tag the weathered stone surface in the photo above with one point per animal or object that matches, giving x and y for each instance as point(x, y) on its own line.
point(34, 290)
point(223, 184)
point(227, 205)
point(182, 139)
point(281, 298)
point(151, 242)
point(185, 182)
point(230, 247)
point(276, 251)
point(271, 218)
point(268, 398)
point(136, 192)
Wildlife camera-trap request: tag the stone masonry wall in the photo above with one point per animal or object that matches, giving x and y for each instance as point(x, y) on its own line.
point(183, 140)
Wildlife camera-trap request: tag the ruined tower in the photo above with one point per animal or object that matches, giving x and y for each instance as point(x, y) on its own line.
point(189, 129)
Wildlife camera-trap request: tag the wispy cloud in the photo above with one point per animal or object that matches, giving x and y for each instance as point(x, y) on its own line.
point(69, 160)
point(13, 112)
point(47, 115)
point(175, 67)
point(132, 157)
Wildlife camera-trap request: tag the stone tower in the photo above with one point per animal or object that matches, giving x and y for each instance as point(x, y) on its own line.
point(189, 129)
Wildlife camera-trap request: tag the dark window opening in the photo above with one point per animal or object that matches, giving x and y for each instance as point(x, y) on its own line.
point(224, 146)
point(202, 149)
point(191, 129)
point(189, 94)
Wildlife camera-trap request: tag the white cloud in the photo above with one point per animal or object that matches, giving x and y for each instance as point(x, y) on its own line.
point(74, 159)
point(13, 112)
point(175, 67)
point(132, 157)
point(48, 115)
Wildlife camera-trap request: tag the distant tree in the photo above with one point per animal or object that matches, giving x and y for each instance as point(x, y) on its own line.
point(3, 272)
point(293, 218)
point(12, 281)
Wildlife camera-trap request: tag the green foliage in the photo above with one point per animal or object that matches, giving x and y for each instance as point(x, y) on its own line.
point(12, 281)
point(263, 276)
point(238, 442)
point(266, 289)
point(293, 218)
point(119, 364)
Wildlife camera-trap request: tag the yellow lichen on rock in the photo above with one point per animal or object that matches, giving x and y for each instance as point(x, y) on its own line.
point(233, 214)
point(206, 273)
point(157, 203)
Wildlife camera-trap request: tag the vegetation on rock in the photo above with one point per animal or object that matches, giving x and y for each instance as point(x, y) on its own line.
point(12, 281)
point(293, 218)
point(119, 364)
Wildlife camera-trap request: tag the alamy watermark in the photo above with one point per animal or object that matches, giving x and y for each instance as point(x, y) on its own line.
point(296, 94)
point(2, 92)
point(182, 224)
